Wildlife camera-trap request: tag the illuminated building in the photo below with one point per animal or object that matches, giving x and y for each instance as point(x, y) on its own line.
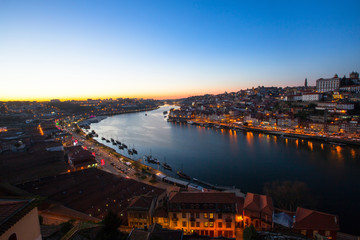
point(258, 211)
point(211, 214)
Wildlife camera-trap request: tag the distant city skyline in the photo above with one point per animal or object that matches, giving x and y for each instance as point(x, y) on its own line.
point(171, 49)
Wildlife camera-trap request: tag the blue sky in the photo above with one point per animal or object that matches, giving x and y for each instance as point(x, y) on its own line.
point(161, 49)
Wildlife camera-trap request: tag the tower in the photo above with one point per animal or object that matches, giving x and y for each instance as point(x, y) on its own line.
point(306, 83)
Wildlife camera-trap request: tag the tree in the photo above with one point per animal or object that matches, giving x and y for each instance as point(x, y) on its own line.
point(250, 233)
point(289, 195)
point(110, 229)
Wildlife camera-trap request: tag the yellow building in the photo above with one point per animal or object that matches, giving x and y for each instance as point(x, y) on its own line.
point(206, 213)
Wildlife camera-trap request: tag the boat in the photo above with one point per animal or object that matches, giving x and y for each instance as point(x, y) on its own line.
point(103, 138)
point(124, 146)
point(107, 140)
point(183, 175)
point(118, 142)
point(134, 151)
point(130, 152)
point(151, 159)
point(145, 114)
point(166, 166)
point(120, 147)
point(112, 139)
point(165, 112)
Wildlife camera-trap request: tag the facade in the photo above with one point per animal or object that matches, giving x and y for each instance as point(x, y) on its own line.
point(19, 220)
point(335, 105)
point(79, 158)
point(258, 211)
point(328, 84)
point(311, 97)
point(140, 211)
point(206, 213)
point(313, 223)
point(351, 88)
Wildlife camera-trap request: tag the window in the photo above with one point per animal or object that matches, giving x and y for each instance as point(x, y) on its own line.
point(192, 215)
point(219, 216)
point(327, 233)
point(183, 215)
point(315, 232)
point(211, 215)
point(211, 224)
point(219, 233)
point(184, 223)
point(13, 237)
point(205, 215)
point(197, 224)
point(303, 232)
point(192, 224)
point(220, 224)
point(197, 215)
point(175, 224)
point(166, 220)
point(174, 215)
point(228, 225)
point(206, 224)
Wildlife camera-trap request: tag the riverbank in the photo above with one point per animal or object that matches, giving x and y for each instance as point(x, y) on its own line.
point(96, 119)
point(279, 133)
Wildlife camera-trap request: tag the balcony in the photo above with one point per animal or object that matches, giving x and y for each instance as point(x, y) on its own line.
point(192, 219)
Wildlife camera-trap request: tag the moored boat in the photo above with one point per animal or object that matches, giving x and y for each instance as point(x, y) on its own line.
point(166, 166)
point(183, 175)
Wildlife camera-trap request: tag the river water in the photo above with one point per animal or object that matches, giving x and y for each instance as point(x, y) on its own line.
point(244, 159)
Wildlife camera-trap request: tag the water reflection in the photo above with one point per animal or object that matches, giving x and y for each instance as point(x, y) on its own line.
point(250, 138)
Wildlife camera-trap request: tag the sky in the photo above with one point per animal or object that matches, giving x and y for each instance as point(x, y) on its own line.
point(72, 49)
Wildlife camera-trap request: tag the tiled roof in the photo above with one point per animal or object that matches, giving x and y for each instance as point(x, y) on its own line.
point(141, 203)
point(258, 203)
point(203, 197)
point(11, 211)
point(310, 219)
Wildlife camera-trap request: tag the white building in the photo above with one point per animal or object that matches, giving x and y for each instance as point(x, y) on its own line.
point(311, 97)
point(328, 84)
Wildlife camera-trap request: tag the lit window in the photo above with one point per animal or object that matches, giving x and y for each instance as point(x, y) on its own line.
point(206, 224)
point(211, 224)
point(211, 215)
point(205, 215)
point(184, 223)
point(220, 224)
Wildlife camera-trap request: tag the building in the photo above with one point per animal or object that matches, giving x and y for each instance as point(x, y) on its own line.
point(140, 211)
point(311, 97)
point(79, 158)
point(211, 214)
point(328, 84)
point(293, 98)
point(312, 223)
point(258, 211)
point(19, 220)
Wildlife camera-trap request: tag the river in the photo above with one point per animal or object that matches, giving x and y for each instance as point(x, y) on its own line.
point(244, 159)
